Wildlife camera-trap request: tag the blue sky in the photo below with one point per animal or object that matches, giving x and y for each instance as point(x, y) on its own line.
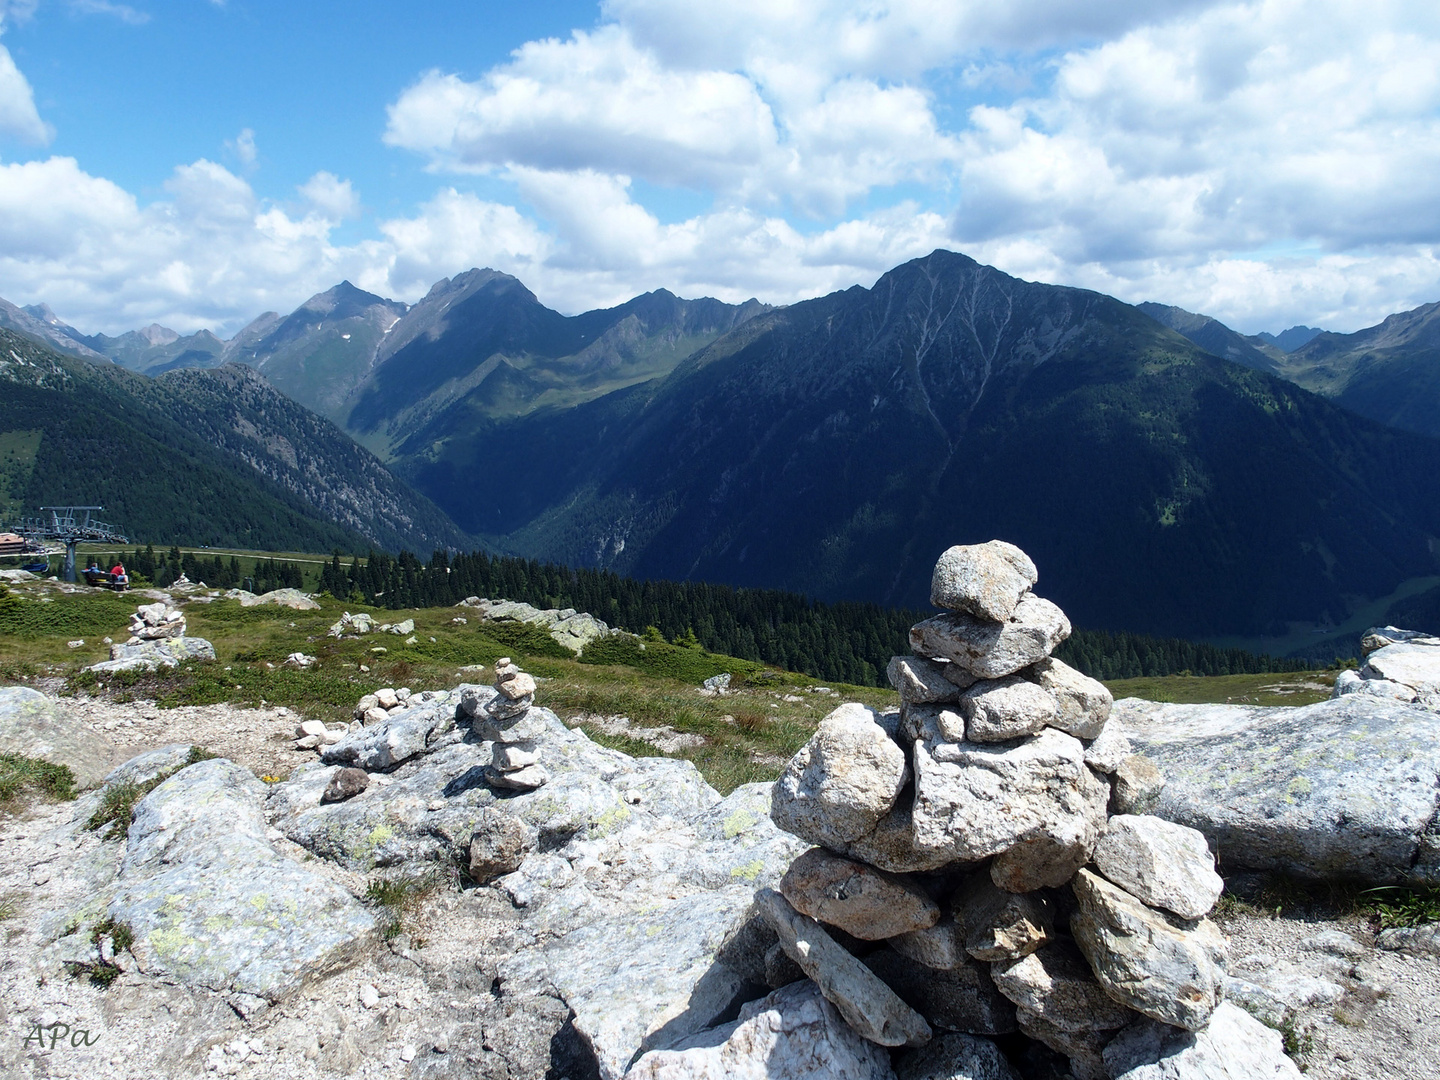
point(195, 163)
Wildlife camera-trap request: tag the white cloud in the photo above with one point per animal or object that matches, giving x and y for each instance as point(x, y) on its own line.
point(124, 12)
point(333, 198)
point(243, 147)
point(19, 118)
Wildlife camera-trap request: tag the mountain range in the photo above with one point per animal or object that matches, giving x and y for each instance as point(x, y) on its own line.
point(1169, 475)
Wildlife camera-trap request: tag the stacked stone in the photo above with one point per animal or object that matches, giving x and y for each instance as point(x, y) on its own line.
point(960, 839)
point(385, 702)
point(156, 622)
point(502, 716)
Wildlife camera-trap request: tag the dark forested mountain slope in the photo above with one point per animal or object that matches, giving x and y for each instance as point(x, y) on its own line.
point(1215, 337)
point(196, 457)
point(837, 446)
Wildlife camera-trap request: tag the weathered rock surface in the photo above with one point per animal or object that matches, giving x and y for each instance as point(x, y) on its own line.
point(1414, 664)
point(866, 1003)
point(150, 655)
point(992, 650)
point(1135, 785)
point(921, 681)
point(941, 946)
point(498, 845)
point(211, 903)
point(987, 580)
point(345, 784)
point(842, 782)
point(34, 726)
point(1002, 709)
point(956, 1056)
point(1082, 703)
point(1143, 959)
point(1235, 1046)
point(1057, 985)
point(979, 799)
point(568, 627)
point(1345, 788)
point(1417, 940)
point(866, 903)
point(793, 1034)
point(1164, 864)
point(1107, 750)
point(961, 998)
point(400, 736)
point(290, 598)
point(998, 925)
point(892, 847)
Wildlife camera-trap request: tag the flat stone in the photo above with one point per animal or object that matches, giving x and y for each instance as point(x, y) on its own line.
point(152, 655)
point(956, 1056)
point(996, 925)
point(842, 782)
point(1410, 663)
point(1136, 785)
point(1377, 637)
point(987, 580)
point(780, 1037)
point(979, 799)
point(501, 708)
point(1083, 703)
point(498, 844)
point(955, 999)
point(1041, 862)
point(1345, 788)
point(399, 737)
point(517, 686)
point(1417, 940)
point(345, 784)
point(941, 946)
point(992, 650)
point(1235, 1046)
point(866, 903)
point(1164, 864)
point(509, 757)
point(997, 710)
point(866, 1003)
point(1144, 959)
point(921, 681)
point(527, 779)
point(1056, 984)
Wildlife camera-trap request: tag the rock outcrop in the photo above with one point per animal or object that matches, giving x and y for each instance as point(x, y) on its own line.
point(1400, 664)
point(34, 726)
point(568, 627)
point(1347, 788)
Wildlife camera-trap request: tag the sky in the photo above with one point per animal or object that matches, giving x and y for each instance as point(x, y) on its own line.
point(198, 162)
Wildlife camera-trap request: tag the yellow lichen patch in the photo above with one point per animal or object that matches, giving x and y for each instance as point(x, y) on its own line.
point(748, 871)
point(738, 822)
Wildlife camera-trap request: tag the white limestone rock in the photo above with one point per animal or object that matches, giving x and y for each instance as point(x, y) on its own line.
point(842, 782)
point(864, 902)
point(987, 580)
point(1164, 864)
point(1153, 964)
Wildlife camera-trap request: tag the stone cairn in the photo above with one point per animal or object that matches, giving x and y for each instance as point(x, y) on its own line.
point(502, 716)
point(981, 865)
point(156, 622)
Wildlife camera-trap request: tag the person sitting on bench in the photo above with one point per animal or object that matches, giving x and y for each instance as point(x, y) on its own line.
point(118, 576)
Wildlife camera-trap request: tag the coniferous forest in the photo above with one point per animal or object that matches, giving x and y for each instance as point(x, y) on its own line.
point(846, 642)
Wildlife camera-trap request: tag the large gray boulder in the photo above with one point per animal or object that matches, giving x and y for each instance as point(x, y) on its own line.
point(1235, 1046)
point(399, 737)
point(1414, 664)
point(840, 784)
point(1345, 788)
point(780, 1037)
point(34, 726)
point(212, 903)
point(986, 580)
point(1042, 782)
point(153, 655)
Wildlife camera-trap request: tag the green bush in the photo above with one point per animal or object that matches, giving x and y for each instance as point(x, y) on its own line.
point(684, 663)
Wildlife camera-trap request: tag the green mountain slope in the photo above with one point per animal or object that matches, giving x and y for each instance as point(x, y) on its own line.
point(837, 446)
point(1218, 339)
point(158, 349)
point(1389, 372)
point(196, 457)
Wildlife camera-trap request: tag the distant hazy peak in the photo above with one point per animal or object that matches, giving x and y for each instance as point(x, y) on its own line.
point(155, 334)
point(43, 313)
point(1292, 339)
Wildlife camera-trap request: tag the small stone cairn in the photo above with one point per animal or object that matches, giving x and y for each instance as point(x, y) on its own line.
point(502, 716)
point(984, 864)
point(156, 622)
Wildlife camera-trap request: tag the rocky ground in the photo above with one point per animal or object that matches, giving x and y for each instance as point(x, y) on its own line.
point(431, 1002)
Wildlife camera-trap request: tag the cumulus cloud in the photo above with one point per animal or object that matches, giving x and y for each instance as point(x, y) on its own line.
point(19, 119)
point(333, 198)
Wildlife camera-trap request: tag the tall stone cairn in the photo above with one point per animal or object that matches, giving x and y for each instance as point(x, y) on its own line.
point(980, 865)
